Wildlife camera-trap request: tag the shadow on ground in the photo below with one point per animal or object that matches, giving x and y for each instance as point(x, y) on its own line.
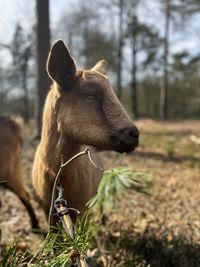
point(149, 250)
point(166, 158)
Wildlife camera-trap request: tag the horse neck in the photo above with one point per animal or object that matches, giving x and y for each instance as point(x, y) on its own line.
point(54, 143)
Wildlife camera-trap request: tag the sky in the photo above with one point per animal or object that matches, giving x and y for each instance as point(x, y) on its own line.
point(12, 11)
point(185, 39)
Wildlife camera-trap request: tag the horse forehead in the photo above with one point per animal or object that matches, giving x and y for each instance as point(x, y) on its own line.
point(95, 78)
point(94, 75)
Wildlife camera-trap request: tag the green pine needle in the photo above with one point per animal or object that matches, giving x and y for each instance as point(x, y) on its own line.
point(113, 185)
point(58, 245)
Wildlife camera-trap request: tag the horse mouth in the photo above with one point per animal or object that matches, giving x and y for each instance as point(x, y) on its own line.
point(124, 146)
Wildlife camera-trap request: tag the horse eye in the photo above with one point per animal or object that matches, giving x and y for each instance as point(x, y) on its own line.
point(91, 97)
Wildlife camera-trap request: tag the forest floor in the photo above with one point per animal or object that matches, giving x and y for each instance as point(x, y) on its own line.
point(157, 230)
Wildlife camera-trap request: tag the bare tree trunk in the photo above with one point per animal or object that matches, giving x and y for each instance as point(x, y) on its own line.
point(24, 72)
point(134, 77)
point(165, 85)
point(70, 41)
point(87, 52)
point(26, 95)
point(120, 48)
point(43, 45)
point(134, 66)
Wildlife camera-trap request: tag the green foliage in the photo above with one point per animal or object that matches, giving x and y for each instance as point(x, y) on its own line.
point(170, 147)
point(11, 257)
point(58, 248)
point(113, 185)
point(106, 49)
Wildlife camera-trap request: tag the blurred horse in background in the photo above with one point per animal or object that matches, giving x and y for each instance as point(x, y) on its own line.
point(10, 163)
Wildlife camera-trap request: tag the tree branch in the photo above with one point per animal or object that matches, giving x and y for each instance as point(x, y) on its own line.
point(58, 176)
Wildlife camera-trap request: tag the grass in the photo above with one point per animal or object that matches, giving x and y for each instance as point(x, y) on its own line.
point(11, 257)
point(59, 248)
point(172, 146)
point(136, 250)
point(161, 229)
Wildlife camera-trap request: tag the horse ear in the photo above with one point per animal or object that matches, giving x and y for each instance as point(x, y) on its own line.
point(60, 65)
point(101, 66)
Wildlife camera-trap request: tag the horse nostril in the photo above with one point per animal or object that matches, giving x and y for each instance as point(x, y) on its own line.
point(131, 132)
point(134, 133)
point(126, 139)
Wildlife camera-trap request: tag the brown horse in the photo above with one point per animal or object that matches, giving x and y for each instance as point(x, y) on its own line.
point(10, 163)
point(81, 109)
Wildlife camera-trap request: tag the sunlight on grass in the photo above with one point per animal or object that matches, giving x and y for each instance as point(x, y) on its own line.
point(59, 249)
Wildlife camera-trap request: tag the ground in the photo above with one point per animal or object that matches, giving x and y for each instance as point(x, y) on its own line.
point(161, 229)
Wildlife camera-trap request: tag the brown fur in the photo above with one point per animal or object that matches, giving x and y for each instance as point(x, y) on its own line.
point(10, 162)
point(81, 109)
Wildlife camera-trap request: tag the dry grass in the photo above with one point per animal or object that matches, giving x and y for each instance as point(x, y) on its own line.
point(158, 230)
